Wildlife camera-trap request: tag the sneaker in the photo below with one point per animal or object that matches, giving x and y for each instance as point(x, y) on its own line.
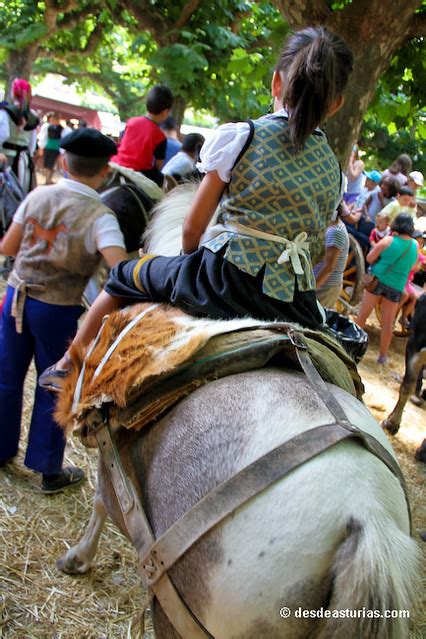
point(69, 476)
point(382, 359)
point(51, 379)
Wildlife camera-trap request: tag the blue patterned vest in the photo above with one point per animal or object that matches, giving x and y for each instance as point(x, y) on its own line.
point(277, 191)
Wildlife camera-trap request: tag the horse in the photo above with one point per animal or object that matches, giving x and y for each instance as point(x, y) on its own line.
point(324, 552)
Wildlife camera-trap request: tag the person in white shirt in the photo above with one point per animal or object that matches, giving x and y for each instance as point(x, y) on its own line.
point(59, 235)
point(183, 163)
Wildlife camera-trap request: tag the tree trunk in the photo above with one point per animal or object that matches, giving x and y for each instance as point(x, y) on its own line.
point(178, 110)
point(374, 30)
point(20, 65)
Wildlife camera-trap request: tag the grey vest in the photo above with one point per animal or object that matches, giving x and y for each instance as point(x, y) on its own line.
point(53, 263)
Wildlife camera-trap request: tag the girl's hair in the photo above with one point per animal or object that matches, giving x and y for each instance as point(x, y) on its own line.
point(315, 65)
point(393, 184)
point(403, 224)
point(402, 164)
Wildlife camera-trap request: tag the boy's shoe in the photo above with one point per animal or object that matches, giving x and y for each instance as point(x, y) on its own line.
point(69, 476)
point(51, 378)
point(382, 359)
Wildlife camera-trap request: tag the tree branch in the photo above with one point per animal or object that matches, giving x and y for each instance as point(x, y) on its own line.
point(300, 13)
point(187, 10)
point(148, 20)
point(417, 27)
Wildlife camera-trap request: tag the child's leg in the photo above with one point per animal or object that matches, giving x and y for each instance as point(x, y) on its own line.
point(52, 327)
point(16, 351)
point(103, 305)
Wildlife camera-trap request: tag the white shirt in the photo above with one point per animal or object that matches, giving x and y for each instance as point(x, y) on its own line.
point(103, 233)
point(222, 148)
point(179, 164)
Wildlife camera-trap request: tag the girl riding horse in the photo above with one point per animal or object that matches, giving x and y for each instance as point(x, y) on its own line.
point(278, 183)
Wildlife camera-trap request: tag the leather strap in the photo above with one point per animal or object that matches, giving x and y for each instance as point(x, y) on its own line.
point(142, 538)
point(231, 494)
point(335, 408)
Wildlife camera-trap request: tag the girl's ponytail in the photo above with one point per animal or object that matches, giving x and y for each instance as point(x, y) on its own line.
point(315, 65)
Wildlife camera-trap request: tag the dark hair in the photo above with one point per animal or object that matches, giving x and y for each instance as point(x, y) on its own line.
point(169, 124)
point(159, 99)
point(403, 224)
point(405, 190)
point(316, 65)
point(82, 166)
point(393, 184)
point(193, 142)
point(402, 164)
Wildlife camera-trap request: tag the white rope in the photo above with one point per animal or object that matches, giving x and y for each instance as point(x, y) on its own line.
point(79, 385)
point(120, 337)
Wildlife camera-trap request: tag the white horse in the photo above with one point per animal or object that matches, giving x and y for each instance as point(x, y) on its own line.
point(324, 552)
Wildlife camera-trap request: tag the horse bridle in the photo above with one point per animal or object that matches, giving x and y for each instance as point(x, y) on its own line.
point(157, 556)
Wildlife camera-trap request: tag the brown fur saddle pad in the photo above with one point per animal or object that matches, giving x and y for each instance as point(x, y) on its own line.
point(148, 357)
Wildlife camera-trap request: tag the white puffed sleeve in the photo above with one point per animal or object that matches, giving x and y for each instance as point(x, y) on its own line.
point(221, 149)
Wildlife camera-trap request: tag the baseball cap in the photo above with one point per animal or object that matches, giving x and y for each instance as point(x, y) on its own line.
point(417, 178)
point(374, 175)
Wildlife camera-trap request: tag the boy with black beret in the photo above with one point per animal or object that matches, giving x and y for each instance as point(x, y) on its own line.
point(59, 234)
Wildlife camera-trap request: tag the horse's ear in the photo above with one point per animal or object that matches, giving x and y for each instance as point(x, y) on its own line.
point(169, 183)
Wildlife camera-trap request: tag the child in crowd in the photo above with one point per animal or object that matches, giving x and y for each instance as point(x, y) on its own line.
point(381, 230)
point(411, 292)
point(59, 234)
point(143, 146)
point(415, 181)
point(183, 163)
point(174, 145)
point(400, 169)
point(329, 273)
point(405, 203)
point(372, 181)
point(278, 183)
point(50, 144)
point(355, 176)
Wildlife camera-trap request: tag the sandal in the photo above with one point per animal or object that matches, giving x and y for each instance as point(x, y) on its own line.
point(69, 476)
point(51, 378)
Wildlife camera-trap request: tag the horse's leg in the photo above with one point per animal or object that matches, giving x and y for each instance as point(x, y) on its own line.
point(79, 558)
point(413, 367)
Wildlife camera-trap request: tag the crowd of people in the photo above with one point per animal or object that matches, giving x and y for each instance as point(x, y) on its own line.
point(256, 260)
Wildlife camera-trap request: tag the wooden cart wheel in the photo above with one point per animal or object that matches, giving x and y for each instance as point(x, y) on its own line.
point(353, 277)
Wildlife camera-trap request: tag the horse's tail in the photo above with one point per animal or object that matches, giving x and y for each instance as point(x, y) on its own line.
point(375, 583)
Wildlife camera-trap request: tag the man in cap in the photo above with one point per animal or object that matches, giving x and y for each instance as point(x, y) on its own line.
point(59, 235)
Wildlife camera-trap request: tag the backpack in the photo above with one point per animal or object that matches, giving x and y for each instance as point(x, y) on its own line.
point(11, 195)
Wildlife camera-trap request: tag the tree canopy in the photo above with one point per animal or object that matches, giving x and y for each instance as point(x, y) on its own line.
point(219, 56)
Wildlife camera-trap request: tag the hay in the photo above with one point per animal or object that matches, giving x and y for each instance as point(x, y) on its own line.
point(39, 602)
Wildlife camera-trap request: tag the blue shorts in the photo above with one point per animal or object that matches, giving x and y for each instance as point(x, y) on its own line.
point(388, 292)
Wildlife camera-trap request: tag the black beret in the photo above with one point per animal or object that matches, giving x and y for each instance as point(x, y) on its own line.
point(89, 143)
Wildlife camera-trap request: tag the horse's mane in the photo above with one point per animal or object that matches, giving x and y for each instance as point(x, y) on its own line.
point(163, 234)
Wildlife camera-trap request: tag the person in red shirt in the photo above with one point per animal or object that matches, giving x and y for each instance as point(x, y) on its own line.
point(143, 146)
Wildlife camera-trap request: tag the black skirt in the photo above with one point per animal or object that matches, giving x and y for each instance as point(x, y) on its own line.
point(204, 284)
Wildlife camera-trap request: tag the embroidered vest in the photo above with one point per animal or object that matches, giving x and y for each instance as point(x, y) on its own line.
point(277, 191)
point(53, 261)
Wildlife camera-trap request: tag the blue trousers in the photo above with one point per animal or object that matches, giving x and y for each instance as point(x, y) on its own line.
point(47, 331)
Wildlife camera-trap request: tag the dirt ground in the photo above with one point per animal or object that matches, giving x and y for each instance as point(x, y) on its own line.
point(37, 601)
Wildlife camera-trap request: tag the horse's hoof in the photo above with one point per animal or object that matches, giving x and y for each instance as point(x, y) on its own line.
point(417, 401)
point(420, 454)
point(71, 565)
point(390, 426)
